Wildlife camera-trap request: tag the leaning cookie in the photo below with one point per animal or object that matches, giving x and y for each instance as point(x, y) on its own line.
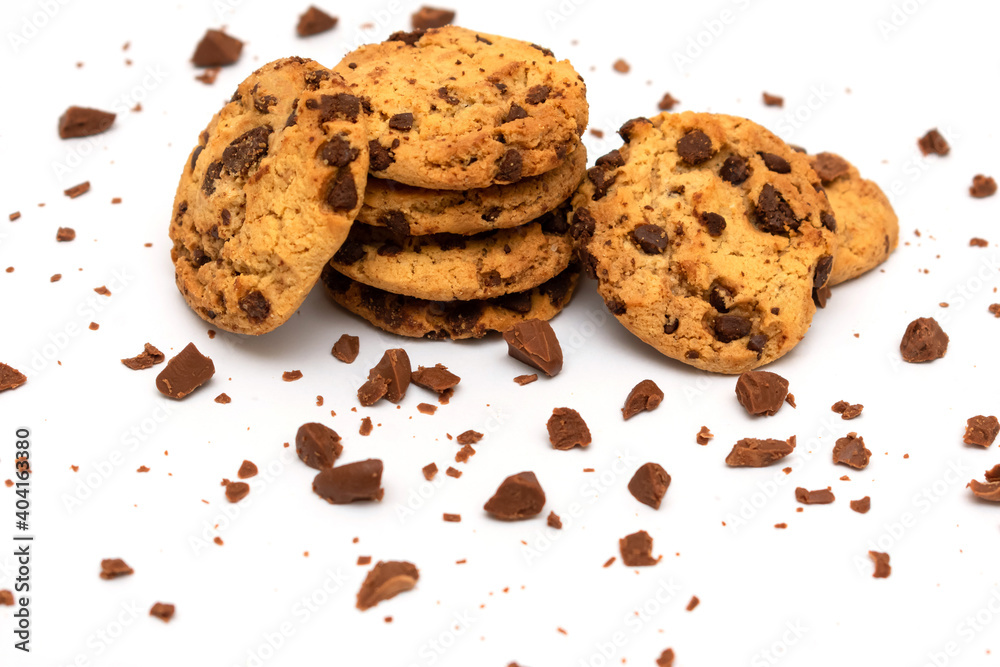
point(709, 238)
point(440, 320)
point(454, 109)
point(268, 195)
point(446, 267)
point(418, 211)
point(868, 227)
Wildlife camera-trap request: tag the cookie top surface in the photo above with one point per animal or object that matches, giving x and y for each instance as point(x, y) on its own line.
point(443, 267)
point(268, 195)
point(707, 235)
point(454, 109)
point(868, 229)
point(456, 320)
point(409, 210)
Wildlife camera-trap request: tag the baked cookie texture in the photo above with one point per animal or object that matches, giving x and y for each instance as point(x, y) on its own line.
point(268, 195)
point(453, 109)
point(446, 267)
point(708, 237)
point(868, 227)
point(409, 210)
point(440, 320)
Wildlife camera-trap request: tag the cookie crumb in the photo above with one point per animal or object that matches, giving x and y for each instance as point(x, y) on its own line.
point(162, 611)
point(223, 398)
point(553, 521)
point(429, 471)
point(366, 426)
point(113, 568)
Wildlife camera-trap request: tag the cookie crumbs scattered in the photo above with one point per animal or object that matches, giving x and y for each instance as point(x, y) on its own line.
point(211, 334)
point(291, 376)
point(983, 186)
point(469, 437)
point(319, 401)
point(463, 455)
point(773, 100)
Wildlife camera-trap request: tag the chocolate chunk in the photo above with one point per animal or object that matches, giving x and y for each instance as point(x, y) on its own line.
point(291, 376)
point(223, 398)
point(818, 497)
point(16, 215)
point(247, 470)
point(923, 341)
point(10, 378)
point(881, 561)
point(567, 429)
point(846, 410)
point(162, 611)
point(337, 152)
point(430, 471)
point(518, 497)
point(645, 396)
point(820, 275)
point(630, 126)
point(735, 170)
point(602, 180)
point(761, 392)
point(341, 193)
point(380, 156)
point(236, 491)
point(516, 113)
point(402, 122)
point(637, 550)
point(84, 122)
point(981, 431)
point(671, 325)
point(933, 142)
point(757, 343)
point(431, 17)
point(829, 221)
point(452, 518)
point(518, 302)
point(993, 474)
point(862, 506)
point(649, 484)
point(728, 328)
point(346, 348)
point(212, 174)
point(988, 491)
point(720, 297)
point(372, 391)
point(651, 239)
point(850, 450)
point(667, 102)
point(829, 166)
point(112, 568)
point(693, 603)
point(361, 480)
point(695, 147)
point(409, 38)
point(386, 580)
point(317, 445)
point(256, 306)
point(511, 164)
point(553, 521)
point(621, 66)
point(666, 658)
point(773, 100)
point(754, 453)
point(772, 213)
point(394, 370)
point(77, 190)
point(366, 426)
point(983, 186)
point(526, 379)
point(533, 342)
point(187, 371)
point(443, 93)
point(332, 107)
point(315, 21)
point(703, 436)
point(537, 94)
point(263, 103)
point(149, 357)
point(217, 49)
point(976, 242)
point(714, 223)
point(437, 378)
point(245, 152)
point(776, 163)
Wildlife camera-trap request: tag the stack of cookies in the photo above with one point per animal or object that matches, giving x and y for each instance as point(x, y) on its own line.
point(474, 144)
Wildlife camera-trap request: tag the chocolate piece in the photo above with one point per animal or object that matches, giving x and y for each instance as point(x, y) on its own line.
point(637, 550)
point(386, 580)
point(511, 165)
point(923, 341)
point(372, 391)
point(728, 328)
point(553, 521)
point(10, 378)
point(518, 497)
point(317, 445)
point(149, 357)
point(933, 142)
point(567, 429)
point(651, 239)
point(217, 49)
point(988, 491)
point(537, 94)
point(993, 474)
point(366, 426)
point(437, 378)
point(666, 658)
point(754, 453)
point(850, 450)
point(361, 480)
point(469, 437)
point(235, 491)
point(533, 342)
point(6, 598)
point(431, 17)
point(735, 170)
point(77, 190)
point(247, 470)
point(291, 376)
point(761, 392)
point(346, 349)
point(430, 471)
point(402, 122)
point(881, 561)
point(223, 398)
point(983, 186)
point(667, 102)
point(776, 163)
point(162, 611)
point(16, 215)
point(65, 234)
point(818, 497)
point(714, 223)
point(451, 518)
point(649, 484)
point(693, 603)
point(184, 373)
point(462, 455)
point(644, 397)
point(84, 122)
point(695, 147)
point(315, 21)
point(846, 410)
point(862, 506)
point(830, 167)
point(621, 66)
point(772, 213)
point(703, 436)
point(426, 408)
point(976, 242)
point(773, 100)
point(981, 430)
point(394, 371)
point(112, 568)
point(526, 379)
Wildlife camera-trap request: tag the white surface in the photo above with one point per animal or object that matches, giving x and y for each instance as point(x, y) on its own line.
point(937, 70)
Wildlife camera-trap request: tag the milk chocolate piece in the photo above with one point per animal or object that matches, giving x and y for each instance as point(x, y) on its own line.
point(430, 471)
point(703, 436)
point(346, 349)
point(666, 658)
point(315, 21)
point(567, 429)
point(344, 484)
point(754, 453)
point(518, 497)
point(317, 445)
point(637, 550)
point(761, 392)
point(436, 378)
point(649, 484)
point(534, 343)
point(184, 373)
point(644, 397)
point(469, 437)
point(394, 371)
point(988, 491)
point(112, 568)
point(850, 450)
point(217, 49)
point(862, 505)
point(162, 611)
point(84, 122)
point(236, 491)
point(526, 379)
point(372, 391)
point(431, 17)
point(981, 430)
point(553, 521)
point(247, 470)
point(923, 341)
point(149, 357)
point(386, 580)
point(846, 410)
point(10, 378)
point(881, 561)
point(818, 497)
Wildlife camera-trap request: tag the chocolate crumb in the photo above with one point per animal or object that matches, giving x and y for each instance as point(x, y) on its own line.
point(644, 397)
point(609, 562)
point(881, 561)
point(217, 49)
point(846, 410)
point(933, 143)
point(427, 18)
point(291, 376)
point(983, 186)
point(247, 470)
point(346, 349)
point(703, 436)
point(451, 518)
point(554, 521)
point(692, 603)
point(818, 497)
point(83, 122)
point(65, 234)
point(453, 472)
point(184, 373)
point(518, 497)
point(223, 398)
point(10, 377)
point(862, 506)
point(162, 611)
point(236, 491)
point(773, 100)
point(754, 453)
point(112, 568)
point(361, 480)
point(667, 102)
point(437, 378)
point(533, 342)
point(850, 450)
point(981, 430)
point(149, 357)
point(761, 392)
point(637, 550)
point(649, 484)
point(923, 341)
point(426, 408)
point(77, 190)
point(666, 658)
point(976, 242)
point(469, 437)
point(366, 426)
point(430, 471)
point(621, 66)
point(567, 429)
point(317, 445)
point(528, 379)
point(315, 21)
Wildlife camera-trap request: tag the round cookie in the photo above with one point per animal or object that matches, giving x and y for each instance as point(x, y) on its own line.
point(453, 109)
point(409, 210)
point(868, 227)
point(440, 320)
point(708, 237)
point(268, 195)
point(447, 267)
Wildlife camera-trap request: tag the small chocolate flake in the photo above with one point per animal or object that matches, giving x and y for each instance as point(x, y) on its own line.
point(703, 436)
point(429, 471)
point(291, 376)
point(236, 491)
point(667, 102)
point(526, 379)
point(247, 470)
point(113, 568)
point(754, 453)
point(386, 580)
point(11, 378)
point(983, 186)
point(846, 410)
point(933, 143)
point(77, 190)
point(862, 506)
point(223, 398)
point(149, 357)
point(317, 445)
point(162, 611)
point(773, 100)
point(361, 480)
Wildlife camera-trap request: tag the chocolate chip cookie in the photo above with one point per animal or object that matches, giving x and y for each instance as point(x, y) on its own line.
point(868, 227)
point(453, 109)
point(446, 267)
point(440, 320)
point(409, 210)
point(268, 195)
point(708, 237)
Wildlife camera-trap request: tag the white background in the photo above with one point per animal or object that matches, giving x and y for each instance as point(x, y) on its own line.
point(859, 77)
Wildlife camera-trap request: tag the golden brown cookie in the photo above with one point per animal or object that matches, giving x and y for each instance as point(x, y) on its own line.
point(708, 237)
point(868, 228)
point(409, 210)
point(439, 320)
point(268, 195)
point(454, 109)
